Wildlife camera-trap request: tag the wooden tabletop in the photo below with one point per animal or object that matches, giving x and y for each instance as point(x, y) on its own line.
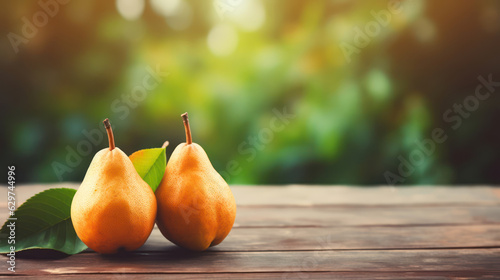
point(314, 232)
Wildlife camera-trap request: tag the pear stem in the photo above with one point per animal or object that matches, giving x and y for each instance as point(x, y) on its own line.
point(111, 138)
point(189, 140)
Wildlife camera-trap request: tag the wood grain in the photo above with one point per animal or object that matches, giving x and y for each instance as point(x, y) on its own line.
point(180, 261)
point(334, 216)
point(369, 275)
point(351, 238)
point(286, 216)
point(328, 195)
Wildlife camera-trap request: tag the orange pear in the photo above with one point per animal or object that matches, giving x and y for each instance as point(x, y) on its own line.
point(113, 208)
point(196, 208)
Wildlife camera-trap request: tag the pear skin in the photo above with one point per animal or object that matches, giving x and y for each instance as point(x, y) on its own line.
point(196, 208)
point(114, 208)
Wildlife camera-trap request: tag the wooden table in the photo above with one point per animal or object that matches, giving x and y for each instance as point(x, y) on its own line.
point(316, 232)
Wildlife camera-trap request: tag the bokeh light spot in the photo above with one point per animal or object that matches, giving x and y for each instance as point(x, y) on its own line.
point(249, 15)
point(182, 17)
point(378, 85)
point(222, 40)
point(130, 9)
point(165, 8)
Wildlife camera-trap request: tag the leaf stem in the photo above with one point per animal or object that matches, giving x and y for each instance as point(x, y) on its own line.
point(165, 144)
point(188, 129)
point(111, 138)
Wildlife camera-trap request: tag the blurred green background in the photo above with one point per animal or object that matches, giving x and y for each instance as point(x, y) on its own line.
point(362, 87)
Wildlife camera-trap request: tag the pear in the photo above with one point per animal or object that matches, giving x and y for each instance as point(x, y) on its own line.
point(196, 208)
point(114, 208)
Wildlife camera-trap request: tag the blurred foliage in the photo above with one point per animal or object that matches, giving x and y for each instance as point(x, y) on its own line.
point(232, 63)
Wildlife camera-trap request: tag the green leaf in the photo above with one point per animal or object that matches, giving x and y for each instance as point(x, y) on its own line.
point(150, 164)
point(43, 222)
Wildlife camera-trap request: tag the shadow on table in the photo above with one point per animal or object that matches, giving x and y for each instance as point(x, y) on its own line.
point(167, 252)
point(45, 254)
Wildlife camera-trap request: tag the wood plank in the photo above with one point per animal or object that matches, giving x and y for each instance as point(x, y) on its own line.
point(420, 275)
point(352, 238)
point(180, 261)
point(327, 216)
point(332, 195)
point(335, 216)
point(364, 195)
